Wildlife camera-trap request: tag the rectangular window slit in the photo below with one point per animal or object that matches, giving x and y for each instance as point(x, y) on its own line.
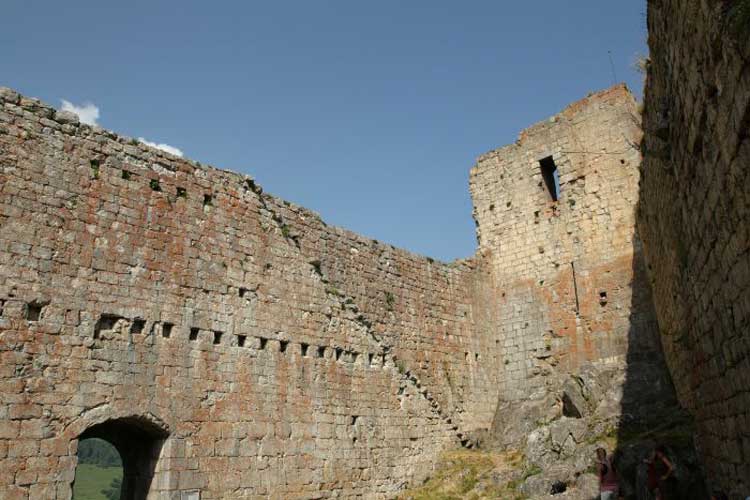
point(338, 353)
point(551, 177)
point(305, 348)
point(217, 337)
point(241, 340)
point(282, 345)
point(166, 330)
point(262, 344)
point(321, 351)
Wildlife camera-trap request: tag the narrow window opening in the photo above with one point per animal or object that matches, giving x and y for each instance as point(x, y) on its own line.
point(551, 177)
point(207, 200)
point(193, 335)
point(166, 330)
point(242, 291)
point(217, 338)
point(369, 358)
point(263, 343)
point(181, 192)
point(321, 351)
point(338, 353)
point(283, 345)
point(155, 185)
point(305, 348)
point(241, 340)
point(602, 298)
point(354, 419)
point(2, 306)
point(126, 175)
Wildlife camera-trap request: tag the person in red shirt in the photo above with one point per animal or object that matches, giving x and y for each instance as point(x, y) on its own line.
point(608, 484)
point(659, 470)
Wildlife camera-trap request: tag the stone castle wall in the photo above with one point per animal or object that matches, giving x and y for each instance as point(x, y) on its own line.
point(280, 356)
point(261, 352)
point(693, 217)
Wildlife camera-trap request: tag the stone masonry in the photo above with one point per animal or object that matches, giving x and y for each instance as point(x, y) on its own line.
point(693, 215)
point(232, 345)
point(568, 273)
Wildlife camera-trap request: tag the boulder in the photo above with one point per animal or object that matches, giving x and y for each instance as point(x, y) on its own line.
point(565, 435)
point(67, 117)
point(574, 404)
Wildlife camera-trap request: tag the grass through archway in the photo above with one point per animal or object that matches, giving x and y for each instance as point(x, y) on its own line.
point(99, 471)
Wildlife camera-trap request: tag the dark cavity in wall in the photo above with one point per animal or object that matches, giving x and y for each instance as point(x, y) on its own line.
point(138, 325)
point(551, 177)
point(193, 335)
point(106, 322)
point(34, 311)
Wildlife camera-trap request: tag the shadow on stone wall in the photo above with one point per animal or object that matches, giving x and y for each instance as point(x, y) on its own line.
point(650, 414)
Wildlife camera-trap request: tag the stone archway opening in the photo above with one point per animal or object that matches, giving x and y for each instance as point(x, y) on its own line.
point(138, 442)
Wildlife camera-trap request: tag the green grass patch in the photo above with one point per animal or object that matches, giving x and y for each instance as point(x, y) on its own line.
point(92, 480)
point(464, 475)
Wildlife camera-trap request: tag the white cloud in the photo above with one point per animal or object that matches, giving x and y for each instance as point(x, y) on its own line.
point(164, 147)
point(88, 113)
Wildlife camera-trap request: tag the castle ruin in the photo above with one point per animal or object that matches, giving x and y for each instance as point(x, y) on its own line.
point(230, 344)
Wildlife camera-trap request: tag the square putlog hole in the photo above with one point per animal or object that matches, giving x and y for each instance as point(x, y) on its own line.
point(34, 311)
point(138, 325)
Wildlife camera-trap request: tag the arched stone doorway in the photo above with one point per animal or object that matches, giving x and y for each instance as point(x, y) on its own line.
point(138, 441)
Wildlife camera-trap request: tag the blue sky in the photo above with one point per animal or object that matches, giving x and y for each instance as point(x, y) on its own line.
point(370, 113)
